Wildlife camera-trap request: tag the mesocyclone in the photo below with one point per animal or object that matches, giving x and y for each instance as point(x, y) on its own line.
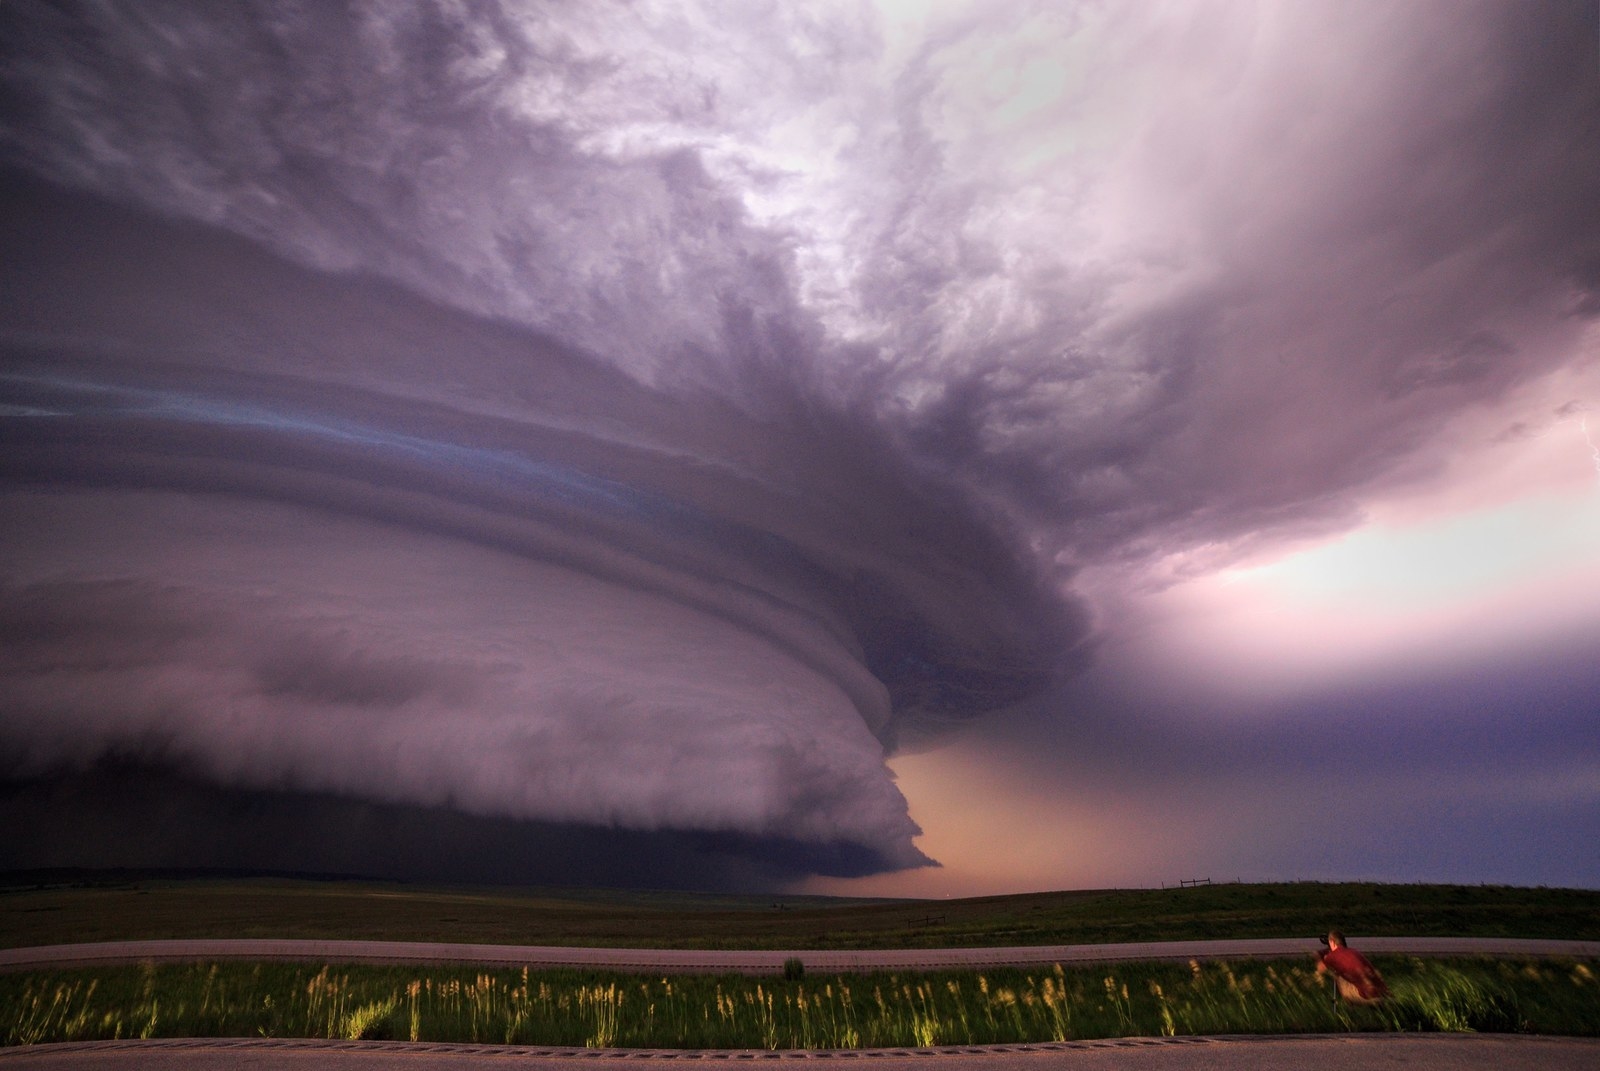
point(646, 416)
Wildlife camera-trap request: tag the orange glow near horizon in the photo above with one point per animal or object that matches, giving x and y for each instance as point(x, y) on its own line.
point(996, 833)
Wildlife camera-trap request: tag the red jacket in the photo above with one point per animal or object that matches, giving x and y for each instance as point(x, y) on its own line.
point(1351, 966)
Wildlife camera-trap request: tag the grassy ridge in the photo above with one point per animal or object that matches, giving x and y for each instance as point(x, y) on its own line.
point(601, 1010)
point(355, 910)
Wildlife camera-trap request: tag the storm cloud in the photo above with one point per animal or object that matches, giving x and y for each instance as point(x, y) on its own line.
point(646, 419)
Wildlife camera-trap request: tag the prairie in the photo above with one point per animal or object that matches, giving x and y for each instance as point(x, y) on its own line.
point(52, 909)
point(597, 1010)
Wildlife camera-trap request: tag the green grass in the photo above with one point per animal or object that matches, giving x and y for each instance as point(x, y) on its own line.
point(357, 910)
point(609, 1010)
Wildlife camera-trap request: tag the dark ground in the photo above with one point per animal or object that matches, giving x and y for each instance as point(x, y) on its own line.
point(51, 908)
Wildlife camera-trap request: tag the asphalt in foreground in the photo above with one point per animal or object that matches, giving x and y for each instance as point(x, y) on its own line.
point(1342, 1052)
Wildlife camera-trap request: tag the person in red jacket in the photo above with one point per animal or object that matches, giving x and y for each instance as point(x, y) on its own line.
point(1358, 980)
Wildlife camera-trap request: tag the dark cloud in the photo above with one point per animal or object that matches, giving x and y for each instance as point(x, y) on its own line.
point(896, 597)
point(125, 813)
point(684, 495)
point(641, 420)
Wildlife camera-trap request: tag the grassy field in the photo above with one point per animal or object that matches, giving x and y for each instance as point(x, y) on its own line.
point(112, 909)
point(570, 1008)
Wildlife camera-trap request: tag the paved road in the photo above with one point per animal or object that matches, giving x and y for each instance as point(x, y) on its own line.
point(1415, 1052)
point(660, 960)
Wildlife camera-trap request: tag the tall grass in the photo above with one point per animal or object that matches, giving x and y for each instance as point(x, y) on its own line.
point(572, 1008)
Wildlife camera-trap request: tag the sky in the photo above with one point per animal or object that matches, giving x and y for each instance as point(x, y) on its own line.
point(892, 449)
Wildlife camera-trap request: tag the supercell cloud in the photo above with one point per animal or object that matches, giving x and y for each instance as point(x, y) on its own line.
point(636, 420)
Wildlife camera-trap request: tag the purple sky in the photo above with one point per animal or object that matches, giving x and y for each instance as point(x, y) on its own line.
point(755, 445)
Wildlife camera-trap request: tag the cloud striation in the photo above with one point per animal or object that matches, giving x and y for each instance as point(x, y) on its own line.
point(643, 418)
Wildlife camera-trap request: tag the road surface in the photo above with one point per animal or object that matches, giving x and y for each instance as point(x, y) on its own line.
point(666, 961)
point(1350, 1052)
